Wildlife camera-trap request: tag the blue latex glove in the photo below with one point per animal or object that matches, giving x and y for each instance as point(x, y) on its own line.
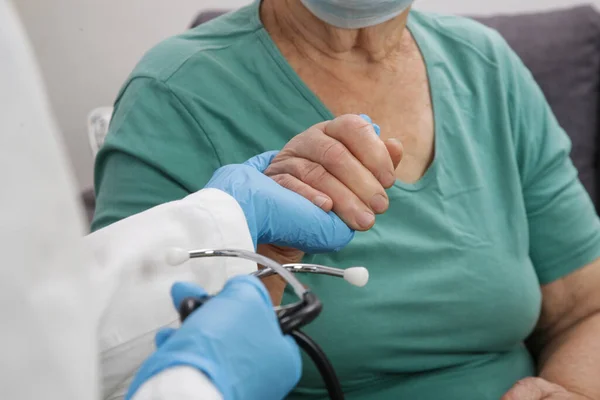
point(234, 339)
point(375, 126)
point(277, 215)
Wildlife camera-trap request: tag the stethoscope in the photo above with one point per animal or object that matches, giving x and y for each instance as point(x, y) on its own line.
point(291, 317)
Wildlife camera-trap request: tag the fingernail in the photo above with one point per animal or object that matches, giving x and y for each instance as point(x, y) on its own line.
point(320, 201)
point(379, 203)
point(365, 220)
point(366, 118)
point(390, 179)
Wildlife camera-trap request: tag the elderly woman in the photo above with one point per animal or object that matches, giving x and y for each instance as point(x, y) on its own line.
point(485, 267)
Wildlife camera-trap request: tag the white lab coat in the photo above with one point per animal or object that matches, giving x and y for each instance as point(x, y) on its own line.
point(138, 305)
point(65, 300)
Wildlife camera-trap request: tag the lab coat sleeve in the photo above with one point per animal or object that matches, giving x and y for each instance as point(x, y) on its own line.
point(181, 383)
point(134, 280)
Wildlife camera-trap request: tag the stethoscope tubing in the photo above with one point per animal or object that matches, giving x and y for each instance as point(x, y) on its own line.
point(293, 316)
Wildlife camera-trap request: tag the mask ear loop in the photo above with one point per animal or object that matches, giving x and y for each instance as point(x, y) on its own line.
point(291, 318)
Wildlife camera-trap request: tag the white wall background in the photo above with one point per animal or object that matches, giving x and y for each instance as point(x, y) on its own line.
point(86, 48)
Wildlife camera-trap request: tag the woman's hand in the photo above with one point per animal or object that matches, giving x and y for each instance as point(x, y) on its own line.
point(540, 389)
point(236, 353)
point(340, 165)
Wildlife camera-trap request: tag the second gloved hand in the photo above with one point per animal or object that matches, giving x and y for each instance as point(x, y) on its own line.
point(277, 215)
point(234, 339)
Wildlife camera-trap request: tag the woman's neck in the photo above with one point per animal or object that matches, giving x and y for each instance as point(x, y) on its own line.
point(289, 21)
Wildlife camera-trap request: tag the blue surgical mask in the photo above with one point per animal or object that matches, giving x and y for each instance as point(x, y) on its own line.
point(355, 14)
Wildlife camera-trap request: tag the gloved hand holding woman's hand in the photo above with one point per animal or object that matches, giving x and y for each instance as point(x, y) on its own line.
point(341, 165)
point(234, 339)
point(277, 215)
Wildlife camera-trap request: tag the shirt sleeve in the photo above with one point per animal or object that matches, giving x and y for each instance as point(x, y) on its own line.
point(564, 229)
point(155, 152)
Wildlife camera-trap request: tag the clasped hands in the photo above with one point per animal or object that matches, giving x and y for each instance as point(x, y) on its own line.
point(341, 166)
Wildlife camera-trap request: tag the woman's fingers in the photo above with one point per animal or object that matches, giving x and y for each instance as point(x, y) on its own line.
point(395, 150)
point(358, 135)
point(297, 174)
point(335, 158)
point(315, 196)
point(341, 165)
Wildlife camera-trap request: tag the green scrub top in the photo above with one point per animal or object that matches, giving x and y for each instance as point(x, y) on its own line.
point(456, 263)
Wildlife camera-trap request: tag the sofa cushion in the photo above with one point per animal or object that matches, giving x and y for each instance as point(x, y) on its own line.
point(562, 50)
point(206, 16)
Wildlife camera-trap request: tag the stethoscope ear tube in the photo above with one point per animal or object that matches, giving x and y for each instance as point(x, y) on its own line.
point(291, 321)
point(189, 305)
point(301, 315)
point(317, 355)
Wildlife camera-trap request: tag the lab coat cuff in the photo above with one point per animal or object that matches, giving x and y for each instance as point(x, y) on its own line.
point(181, 383)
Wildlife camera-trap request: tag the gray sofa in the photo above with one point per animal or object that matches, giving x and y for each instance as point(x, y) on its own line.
point(562, 49)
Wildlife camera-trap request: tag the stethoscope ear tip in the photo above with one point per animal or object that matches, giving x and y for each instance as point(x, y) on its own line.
point(357, 276)
point(176, 256)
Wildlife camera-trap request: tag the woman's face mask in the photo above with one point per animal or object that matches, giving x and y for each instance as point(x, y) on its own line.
point(355, 14)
